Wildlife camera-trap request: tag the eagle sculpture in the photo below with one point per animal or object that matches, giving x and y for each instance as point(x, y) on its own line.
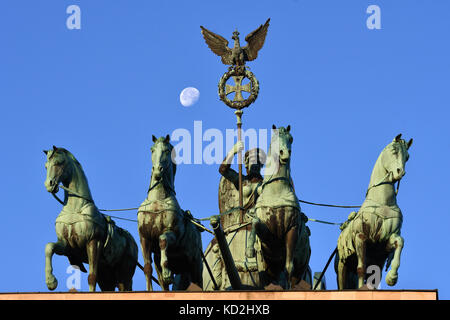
point(236, 56)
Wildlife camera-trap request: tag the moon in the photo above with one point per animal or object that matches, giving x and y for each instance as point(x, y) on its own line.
point(189, 96)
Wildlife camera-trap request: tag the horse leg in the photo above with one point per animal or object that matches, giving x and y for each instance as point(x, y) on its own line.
point(51, 248)
point(106, 279)
point(291, 241)
point(125, 272)
point(360, 247)
point(197, 269)
point(396, 243)
point(125, 285)
point(147, 254)
point(166, 240)
point(124, 275)
point(94, 248)
point(157, 262)
point(262, 231)
point(250, 250)
point(341, 275)
point(181, 281)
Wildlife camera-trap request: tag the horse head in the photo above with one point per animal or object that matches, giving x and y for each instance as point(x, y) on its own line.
point(162, 162)
point(280, 149)
point(394, 158)
point(58, 167)
point(281, 144)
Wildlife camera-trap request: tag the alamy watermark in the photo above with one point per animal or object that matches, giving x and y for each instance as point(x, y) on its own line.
point(74, 20)
point(74, 279)
point(374, 20)
point(374, 280)
point(207, 147)
point(210, 146)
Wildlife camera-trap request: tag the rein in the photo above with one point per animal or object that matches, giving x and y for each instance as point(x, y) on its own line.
point(307, 202)
point(384, 182)
point(70, 192)
point(261, 184)
point(92, 201)
point(161, 180)
point(193, 220)
point(76, 194)
point(151, 187)
point(333, 205)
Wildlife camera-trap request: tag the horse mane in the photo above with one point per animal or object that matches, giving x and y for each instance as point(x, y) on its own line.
point(77, 164)
point(75, 161)
point(71, 156)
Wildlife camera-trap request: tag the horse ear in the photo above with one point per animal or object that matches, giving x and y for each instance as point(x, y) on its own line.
point(55, 148)
point(154, 138)
point(398, 137)
point(167, 139)
point(45, 151)
point(409, 143)
point(288, 128)
point(274, 127)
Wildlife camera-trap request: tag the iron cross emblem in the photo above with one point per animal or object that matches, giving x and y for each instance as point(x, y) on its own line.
point(238, 88)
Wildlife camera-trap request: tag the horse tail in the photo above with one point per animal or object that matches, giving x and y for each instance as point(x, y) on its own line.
point(192, 243)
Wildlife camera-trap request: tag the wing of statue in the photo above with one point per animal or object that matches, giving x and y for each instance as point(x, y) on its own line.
point(255, 41)
point(228, 195)
point(218, 45)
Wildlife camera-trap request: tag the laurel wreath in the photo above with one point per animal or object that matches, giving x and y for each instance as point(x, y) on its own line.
point(254, 88)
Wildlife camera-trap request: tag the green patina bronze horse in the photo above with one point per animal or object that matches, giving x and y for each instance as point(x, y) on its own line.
point(84, 234)
point(165, 229)
point(278, 220)
point(371, 236)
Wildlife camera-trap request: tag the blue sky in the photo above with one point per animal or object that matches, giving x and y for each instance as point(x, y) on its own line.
point(102, 91)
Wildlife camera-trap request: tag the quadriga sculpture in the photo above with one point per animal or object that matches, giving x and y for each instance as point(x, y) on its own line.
point(372, 235)
point(84, 234)
point(165, 229)
point(278, 220)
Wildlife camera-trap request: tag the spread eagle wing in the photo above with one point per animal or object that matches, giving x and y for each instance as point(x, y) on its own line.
point(255, 41)
point(228, 195)
point(218, 45)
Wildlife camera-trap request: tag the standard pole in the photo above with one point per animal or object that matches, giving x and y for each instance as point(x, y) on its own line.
point(238, 114)
point(230, 267)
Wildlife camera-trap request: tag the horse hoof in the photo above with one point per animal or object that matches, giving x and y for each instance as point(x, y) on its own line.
point(391, 278)
point(52, 283)
point(168, 280)
point(167, 277)
point(250, 252)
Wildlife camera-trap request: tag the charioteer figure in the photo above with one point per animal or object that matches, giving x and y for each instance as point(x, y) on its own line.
point(235, 220)
point(254, 160)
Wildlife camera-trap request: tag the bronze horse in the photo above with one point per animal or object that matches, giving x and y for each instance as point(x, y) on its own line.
point(84, 234)
point(371, 236)
point(278, 220)
point(165, 230)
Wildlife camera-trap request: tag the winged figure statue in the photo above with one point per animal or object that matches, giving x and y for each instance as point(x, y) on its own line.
point(236, 56)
